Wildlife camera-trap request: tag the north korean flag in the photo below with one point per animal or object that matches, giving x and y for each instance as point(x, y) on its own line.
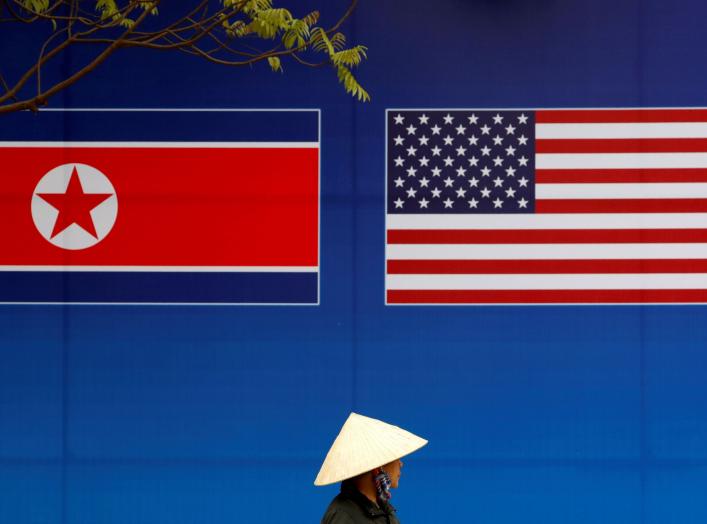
point(160, 206)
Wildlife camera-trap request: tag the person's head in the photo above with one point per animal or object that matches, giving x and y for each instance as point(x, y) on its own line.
point(377, 483)
point(393, 470)
point(363, 448)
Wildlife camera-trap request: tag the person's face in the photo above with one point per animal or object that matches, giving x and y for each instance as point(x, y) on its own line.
point(393, 471)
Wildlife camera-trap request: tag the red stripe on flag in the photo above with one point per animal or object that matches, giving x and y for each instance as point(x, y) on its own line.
point(622, 145)
point(674, 205)
point(572, 116)
point(608, 176)
point(544, 267)
point(564, 296)
point(190, 207)
point(544, 236)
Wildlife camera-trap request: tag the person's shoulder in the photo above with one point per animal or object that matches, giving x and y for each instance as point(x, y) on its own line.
point(342, 510)
point(338, 516)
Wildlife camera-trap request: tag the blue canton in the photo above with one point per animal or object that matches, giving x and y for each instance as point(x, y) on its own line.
point(461, 162)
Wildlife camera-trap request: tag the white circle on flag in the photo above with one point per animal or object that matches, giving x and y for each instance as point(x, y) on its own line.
point(89, 202)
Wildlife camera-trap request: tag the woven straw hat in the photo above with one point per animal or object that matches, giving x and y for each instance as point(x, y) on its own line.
point(364, 444)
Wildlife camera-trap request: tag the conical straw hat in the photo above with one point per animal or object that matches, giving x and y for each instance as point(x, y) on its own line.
point(364, 444)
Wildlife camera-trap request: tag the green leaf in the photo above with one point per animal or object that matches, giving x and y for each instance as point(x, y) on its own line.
point(268, 23)
point(36, 6)
point(107, 8)
point(320, 41)
point(252, 6)
point(350, 57)
point(311, 18)
point(296, 35)
point(338, 41)
point(146, 5)
point(351, 85)
point(274, 62)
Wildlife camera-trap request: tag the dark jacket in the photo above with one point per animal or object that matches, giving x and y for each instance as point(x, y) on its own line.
point(352, 507)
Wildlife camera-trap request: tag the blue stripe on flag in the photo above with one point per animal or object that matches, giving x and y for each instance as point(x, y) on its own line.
point(158, 287)
point(161, 126)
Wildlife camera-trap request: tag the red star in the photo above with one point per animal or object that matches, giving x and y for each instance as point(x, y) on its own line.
point(74, 206)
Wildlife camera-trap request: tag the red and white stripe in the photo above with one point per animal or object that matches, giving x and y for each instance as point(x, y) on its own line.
point(621, 217)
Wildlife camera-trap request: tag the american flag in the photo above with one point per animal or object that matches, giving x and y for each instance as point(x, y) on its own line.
point(546, 206)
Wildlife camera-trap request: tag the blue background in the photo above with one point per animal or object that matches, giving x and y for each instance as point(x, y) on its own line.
point(224, 414)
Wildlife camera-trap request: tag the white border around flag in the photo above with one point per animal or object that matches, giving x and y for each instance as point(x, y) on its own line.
point(570, 221)
point(181, 269)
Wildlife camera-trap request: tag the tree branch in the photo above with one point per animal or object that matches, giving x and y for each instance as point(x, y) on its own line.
point(41, 98)
point(198, 33)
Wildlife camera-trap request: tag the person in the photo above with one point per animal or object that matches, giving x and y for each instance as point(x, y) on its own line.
point(366, 459)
